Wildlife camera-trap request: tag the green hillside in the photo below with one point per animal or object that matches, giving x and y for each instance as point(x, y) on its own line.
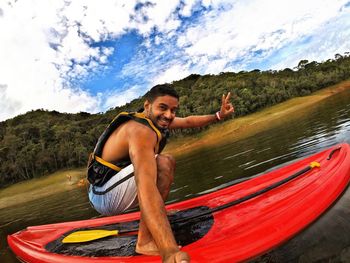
point(41, 142)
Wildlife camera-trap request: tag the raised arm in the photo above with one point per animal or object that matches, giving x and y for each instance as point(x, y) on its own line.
point(203, 120)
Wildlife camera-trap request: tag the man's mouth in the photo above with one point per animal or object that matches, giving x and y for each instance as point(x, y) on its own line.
point(164, 122)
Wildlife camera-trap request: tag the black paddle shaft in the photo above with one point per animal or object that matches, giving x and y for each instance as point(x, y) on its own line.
point(248, 197)
point(257, 193)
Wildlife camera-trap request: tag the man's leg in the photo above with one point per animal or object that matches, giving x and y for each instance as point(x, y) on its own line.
point(165, 177)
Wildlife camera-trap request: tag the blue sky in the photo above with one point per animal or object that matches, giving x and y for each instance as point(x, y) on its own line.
point(73, 56)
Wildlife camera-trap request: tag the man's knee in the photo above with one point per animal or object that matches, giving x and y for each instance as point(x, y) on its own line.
point(166, 161)
point(166, 165)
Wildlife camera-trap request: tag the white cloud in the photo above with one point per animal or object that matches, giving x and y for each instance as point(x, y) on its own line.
point(27, 62)
point(254, 26)
point(174, 72)
point(118, 98)
point(47, 46)
point(324, 43)
point(231, 35)
point(7, 105)
point(157, 14)
point(187, 7)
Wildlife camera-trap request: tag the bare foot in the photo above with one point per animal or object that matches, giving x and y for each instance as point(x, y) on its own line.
point(149, 249)
point(177, 257)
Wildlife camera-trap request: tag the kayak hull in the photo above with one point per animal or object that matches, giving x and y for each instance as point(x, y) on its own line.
point(325, 240)
point(241, 232)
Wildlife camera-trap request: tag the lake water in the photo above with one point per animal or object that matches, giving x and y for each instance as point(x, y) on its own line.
point(321, 126)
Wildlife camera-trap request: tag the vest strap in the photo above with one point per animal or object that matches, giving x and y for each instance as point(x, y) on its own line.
point(105, 163)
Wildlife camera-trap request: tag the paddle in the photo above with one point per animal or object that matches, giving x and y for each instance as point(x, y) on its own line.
point(90, 235)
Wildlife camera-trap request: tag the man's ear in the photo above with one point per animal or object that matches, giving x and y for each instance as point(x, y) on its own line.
point(146, 105)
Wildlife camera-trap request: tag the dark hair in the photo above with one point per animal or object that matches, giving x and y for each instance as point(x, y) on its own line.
point(161, 90)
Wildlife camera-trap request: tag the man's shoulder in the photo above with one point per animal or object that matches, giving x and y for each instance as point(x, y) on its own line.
point(139, 134)
point(137, 128)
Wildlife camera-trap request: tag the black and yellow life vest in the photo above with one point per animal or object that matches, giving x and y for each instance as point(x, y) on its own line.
point(99, 170)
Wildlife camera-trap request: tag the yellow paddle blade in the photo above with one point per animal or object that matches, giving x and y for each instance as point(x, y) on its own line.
point(315, 164)
point(88, 235)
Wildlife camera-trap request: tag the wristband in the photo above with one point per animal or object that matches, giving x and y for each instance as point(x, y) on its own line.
point(217, 114)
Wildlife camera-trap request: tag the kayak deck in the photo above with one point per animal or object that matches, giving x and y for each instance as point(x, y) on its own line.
point(238, 232)
point(186, 232)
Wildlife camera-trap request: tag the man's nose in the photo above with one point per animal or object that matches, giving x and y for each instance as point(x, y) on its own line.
point(168, 114)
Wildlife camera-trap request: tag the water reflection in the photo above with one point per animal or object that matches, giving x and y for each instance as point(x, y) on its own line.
point(321, 126)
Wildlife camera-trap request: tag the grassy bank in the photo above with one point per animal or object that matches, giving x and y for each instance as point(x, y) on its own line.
point(240, 128)
point(40, 187)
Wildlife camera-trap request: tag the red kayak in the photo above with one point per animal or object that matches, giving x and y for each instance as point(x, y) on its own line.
point(238, 223)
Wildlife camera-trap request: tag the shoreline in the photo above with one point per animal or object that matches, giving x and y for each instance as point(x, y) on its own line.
point(230, 130)
point(41, 187)
point(243, 127)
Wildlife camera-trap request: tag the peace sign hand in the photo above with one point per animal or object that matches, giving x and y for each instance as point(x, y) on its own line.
point(226, 107)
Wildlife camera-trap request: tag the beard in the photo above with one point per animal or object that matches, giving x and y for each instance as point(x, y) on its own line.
point(161, 122)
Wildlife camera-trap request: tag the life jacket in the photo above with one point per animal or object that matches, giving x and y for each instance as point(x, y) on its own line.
point(100, 171)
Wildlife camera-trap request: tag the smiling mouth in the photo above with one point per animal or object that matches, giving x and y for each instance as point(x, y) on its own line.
point(163, 122)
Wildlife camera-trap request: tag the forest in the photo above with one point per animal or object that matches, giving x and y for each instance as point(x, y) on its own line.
point(41, 142)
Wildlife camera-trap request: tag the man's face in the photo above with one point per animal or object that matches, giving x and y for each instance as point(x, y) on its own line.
point(162, 110)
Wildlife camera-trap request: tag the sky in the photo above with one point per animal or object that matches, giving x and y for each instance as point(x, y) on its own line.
point(90, 56)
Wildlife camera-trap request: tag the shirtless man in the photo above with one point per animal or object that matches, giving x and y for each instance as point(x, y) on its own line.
point(131, 145)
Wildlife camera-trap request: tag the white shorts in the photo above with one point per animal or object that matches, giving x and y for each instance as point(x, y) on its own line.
point(120, 198)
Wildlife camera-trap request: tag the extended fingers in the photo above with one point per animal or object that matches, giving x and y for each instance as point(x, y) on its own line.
point(227, 99)
point(226, 106)
point(223, 99)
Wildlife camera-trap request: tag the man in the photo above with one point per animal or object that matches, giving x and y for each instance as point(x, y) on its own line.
point(127, 169)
